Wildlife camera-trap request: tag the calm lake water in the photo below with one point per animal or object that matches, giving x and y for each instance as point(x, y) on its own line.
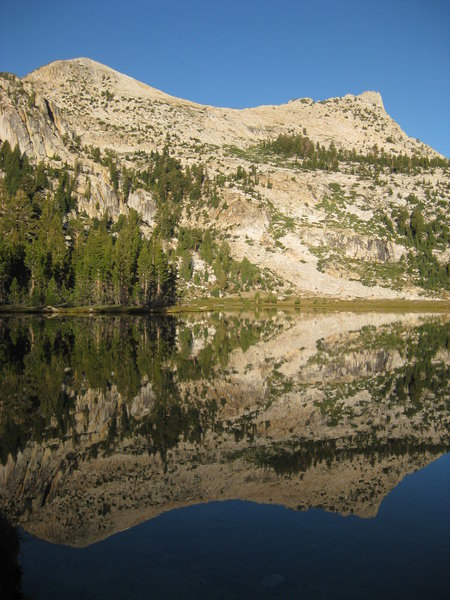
point(276, 455)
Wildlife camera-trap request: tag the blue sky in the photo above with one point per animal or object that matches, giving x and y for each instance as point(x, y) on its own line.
point(246, 53)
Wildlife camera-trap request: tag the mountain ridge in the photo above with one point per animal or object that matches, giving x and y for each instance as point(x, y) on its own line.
point(53, 72)
point(369, 96)
point(324, 222)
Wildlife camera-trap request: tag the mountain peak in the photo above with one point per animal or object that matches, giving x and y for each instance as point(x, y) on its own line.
point(371, 97)
point(63, 67)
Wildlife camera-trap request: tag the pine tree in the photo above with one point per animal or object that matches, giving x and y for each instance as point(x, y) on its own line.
point(126, 184)
point(206, 248)
point(417, 224)
point(113, 174)
point(186, 265)
point(165, 276)
point(16, 217)
point(145, 272)
point(125, 255)
point(47, 253)
point(40, 178)
point(14, 292)
point(95, 268)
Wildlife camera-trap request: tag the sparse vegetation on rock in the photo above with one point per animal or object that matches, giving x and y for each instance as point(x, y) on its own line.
point(278, 185)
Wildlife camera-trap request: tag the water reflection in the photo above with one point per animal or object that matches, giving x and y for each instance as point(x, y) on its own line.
point(107, 422)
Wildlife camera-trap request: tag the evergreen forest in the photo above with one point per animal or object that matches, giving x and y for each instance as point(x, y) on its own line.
point(52, 255)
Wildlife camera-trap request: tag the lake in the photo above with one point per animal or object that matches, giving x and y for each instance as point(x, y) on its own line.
point(228, 455)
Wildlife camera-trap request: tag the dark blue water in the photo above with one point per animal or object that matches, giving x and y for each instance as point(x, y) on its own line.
point(237, 549)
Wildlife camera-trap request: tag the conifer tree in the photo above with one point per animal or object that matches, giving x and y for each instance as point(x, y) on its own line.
point(206, 248)
point(145, 272)
point(125, 255)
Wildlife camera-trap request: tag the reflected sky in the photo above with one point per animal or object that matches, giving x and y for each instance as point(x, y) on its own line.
point(236, 549)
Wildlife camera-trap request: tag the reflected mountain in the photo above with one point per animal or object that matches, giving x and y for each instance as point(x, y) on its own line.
point(108, 421)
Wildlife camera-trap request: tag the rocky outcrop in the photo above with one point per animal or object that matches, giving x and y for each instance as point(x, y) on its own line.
point(373, 98)
point(144, 204)
point(360, 247)
point(30, 121)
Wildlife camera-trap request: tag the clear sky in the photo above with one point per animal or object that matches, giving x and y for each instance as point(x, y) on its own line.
point(242, 53)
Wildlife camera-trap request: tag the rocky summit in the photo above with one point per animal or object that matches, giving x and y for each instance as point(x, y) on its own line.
point(327, 198)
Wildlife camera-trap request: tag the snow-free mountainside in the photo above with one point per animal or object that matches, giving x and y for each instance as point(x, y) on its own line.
point(112, 192)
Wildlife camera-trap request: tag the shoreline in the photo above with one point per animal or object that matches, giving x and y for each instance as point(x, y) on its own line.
point(233, 304)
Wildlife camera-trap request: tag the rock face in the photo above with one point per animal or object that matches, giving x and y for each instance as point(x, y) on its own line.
point(313, 239)
point(28, 122)
point(144, 204)
point(373, 98)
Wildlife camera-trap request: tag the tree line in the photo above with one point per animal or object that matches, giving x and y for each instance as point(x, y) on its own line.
point(316, 156)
